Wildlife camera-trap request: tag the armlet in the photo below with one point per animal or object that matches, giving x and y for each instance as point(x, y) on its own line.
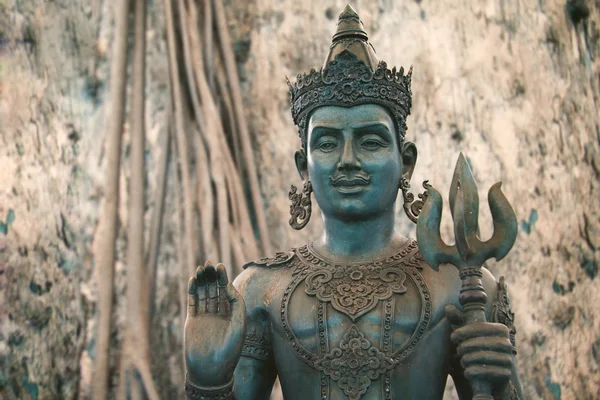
point(256, 345)
point(195, 392)
point(502, 313)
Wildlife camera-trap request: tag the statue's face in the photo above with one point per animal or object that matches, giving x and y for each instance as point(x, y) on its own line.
point(353, 160)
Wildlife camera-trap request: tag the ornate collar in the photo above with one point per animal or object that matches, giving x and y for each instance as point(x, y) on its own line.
point(408, 255)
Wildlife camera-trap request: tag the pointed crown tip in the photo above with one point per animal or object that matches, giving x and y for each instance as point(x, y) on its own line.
point(348, 11)
point(349, 26)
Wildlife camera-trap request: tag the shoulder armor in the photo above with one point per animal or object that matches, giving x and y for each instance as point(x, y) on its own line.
point(502, 312)
point(269, 262)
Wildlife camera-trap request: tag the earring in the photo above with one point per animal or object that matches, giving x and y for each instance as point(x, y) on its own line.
point(301, 206)
point(413, 207)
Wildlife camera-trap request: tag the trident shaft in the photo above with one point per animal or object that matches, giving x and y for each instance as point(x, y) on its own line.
point(469, 252)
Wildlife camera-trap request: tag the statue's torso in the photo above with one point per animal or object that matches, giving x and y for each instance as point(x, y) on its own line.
point(359, 331)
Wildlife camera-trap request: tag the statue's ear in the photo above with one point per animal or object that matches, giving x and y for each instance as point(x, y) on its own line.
point(409, 159)
point(301, 163)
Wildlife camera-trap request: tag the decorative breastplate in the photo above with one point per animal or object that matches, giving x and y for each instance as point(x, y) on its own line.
point(354, 289)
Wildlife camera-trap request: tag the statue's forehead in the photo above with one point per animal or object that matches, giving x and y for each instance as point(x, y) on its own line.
point(357, 116)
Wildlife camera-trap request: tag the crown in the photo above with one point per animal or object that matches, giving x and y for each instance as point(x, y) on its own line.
point(350, 76)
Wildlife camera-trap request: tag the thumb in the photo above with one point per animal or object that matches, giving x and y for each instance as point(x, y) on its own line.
point(238, 307)
point(192, 298)
point(454, 316)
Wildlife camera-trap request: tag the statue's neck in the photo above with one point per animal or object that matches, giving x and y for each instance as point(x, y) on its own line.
point(358, 240)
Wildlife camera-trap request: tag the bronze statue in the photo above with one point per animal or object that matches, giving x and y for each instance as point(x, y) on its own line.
point(361, 312)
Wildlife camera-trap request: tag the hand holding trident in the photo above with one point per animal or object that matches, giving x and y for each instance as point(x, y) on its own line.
point(485, 369)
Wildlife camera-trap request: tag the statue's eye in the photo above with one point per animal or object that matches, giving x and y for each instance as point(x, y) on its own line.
point(371, 144)
point(327, 146)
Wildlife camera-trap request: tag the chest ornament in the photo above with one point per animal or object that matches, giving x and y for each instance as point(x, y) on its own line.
point(355, 289)
point(355, 364)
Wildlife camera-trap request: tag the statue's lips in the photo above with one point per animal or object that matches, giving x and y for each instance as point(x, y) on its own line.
point(351, 185)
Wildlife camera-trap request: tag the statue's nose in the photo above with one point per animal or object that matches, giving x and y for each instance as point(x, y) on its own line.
point(349, 160)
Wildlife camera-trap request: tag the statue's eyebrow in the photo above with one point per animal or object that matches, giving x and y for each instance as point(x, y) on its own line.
point(378, 126)
point(368, 125)
point(320, 130)
point(325, 127)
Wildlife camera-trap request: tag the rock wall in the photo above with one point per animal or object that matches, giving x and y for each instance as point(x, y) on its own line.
point(512, 84)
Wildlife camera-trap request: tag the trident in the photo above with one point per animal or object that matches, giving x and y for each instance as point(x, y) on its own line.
point(468, 253)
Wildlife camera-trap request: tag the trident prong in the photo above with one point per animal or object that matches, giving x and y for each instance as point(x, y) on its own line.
point(468, 253)
point(469, 250)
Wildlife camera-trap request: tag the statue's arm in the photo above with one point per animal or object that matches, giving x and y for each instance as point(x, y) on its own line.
point(255, 373)
point(498, 310)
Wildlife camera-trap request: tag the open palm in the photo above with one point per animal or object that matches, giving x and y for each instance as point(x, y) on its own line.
point(215, 327)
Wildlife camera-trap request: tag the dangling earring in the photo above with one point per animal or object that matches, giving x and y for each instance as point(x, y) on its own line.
point(413, 207)
point(301, 206)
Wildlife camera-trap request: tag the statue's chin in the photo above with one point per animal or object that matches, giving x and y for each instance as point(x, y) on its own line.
point(353, 209)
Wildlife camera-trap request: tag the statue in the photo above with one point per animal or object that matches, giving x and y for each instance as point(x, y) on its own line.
point(361, 312)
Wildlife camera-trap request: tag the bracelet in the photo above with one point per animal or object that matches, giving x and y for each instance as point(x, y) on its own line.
point(194, 392)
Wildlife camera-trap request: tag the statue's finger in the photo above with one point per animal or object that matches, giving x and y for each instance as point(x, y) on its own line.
point(192, 297)
point(497, 344)
point(212, 306)
point(222, 282)
point(222, 278)
point(200, 274)
point(478, 329)
point(454, 316)
point(200, 291)
point(491, 373)
point(488, 358)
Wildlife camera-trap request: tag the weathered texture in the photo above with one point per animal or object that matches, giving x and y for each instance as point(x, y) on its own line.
point(53, 81)
point(42, 121)
point(514, 85)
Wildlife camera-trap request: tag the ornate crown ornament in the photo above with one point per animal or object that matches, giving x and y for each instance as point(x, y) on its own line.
point(351, 75)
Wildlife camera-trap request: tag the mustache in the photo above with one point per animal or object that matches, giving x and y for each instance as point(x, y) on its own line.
point(338, 180)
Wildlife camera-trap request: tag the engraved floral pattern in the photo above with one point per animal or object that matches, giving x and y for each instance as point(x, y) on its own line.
point(355, 363)
point(356, 289)
point(351, 79)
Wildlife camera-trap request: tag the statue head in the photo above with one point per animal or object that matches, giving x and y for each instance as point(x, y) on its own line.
point(351, 117)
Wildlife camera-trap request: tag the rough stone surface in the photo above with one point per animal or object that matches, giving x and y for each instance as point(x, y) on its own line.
point(514, 85)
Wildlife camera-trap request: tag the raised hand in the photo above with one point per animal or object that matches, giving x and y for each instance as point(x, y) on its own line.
point(215, 327)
